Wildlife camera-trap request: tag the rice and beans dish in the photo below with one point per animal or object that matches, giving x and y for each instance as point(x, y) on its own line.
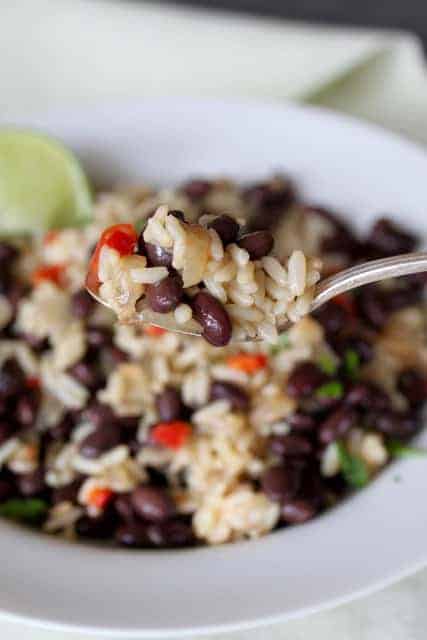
point(148, 438)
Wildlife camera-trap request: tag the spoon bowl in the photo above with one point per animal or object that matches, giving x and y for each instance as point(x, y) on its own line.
point(341, 282)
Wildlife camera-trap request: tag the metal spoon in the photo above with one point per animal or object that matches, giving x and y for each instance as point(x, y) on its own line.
point(325, 290)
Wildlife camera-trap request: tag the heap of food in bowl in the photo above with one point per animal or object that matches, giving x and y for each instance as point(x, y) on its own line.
point(148, 438)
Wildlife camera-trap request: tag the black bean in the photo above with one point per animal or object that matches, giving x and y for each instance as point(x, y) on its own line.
point(372, 306)
point(196, 189)
point(281, 483)
point(301, 422)
point(116, 355)
point(123, 506)
point(27, 407)
point(68, 493)
point(337, 424)
point(129, 424)
point(238, 398)
point(258, 244)
point(226, 227)
point(401, 297)
point(215, 321)
point(6, 430)
point(169, 404)
point(304, 379)
point(62, 430)
point(312, 487)
point(99, 336)
point(99, 441)
point(141, 246)
point(88, 374)
point(290, 445)
point(37, 344)
point(297, 511)
point(267, 195)
point(171, 534)
point(101, 527)
point(152, 503)
point(366, 395)
point(332, 317)
point(82, 304)
point(100, 415)
point(415, 280)
point(12, 378)
point(15, 292)
point(134, 446)
point(33, 483)
point(8, 253)
point(393, 423)
point(157, 478)
point(132, 534)
point(7, 490)
point(341, 242)
point(4, 407)
point(165, 296)
point(413, 386)
point(157, 256)
point(388, 239)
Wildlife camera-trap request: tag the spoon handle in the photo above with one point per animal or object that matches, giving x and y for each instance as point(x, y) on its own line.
point(368, 272)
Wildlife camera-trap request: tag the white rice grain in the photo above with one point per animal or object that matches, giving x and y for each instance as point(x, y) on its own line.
point(149, 275)
point(239, 256)
point(297, 271)
point(216, 248)
point(275, 270)
point(183, 313)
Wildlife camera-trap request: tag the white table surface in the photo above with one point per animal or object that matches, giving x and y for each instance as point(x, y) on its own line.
point(60, 53)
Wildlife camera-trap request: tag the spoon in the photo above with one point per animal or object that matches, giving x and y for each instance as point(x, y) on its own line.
point(325, 290)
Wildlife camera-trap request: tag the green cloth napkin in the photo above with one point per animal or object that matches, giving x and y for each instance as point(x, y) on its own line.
point(59, 53)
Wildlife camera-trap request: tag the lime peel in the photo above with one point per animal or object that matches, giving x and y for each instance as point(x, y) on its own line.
point(42, 184)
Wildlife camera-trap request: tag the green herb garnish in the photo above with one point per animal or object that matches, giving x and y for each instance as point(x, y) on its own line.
point(353, 468)
point(328, 365)
point(352, 363)
point(30, 510)
point(282, 343)
point(333, 389)
point(399, 450)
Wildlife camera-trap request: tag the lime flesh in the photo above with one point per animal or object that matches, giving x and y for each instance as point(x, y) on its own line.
point(42, 185)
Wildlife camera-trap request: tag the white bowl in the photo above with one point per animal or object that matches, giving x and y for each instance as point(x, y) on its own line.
point(375, 537)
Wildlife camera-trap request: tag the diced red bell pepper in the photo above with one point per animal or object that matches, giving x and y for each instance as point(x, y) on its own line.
point(248, 362)
point(153, 331)
point(172, 435)
point(122, 238)
point(49, 272)
point(346, 301)
point(32, 382)
point(99, 497)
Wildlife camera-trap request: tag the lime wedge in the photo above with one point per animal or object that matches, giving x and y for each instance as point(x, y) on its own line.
point(42, 185)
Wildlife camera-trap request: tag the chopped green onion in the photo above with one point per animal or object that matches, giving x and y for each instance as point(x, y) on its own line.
point(282, 343)
point(328, 365)
point(351, 363)
point(333, 389)
point(353, 468)
point(30, 510)
point(399, 450)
